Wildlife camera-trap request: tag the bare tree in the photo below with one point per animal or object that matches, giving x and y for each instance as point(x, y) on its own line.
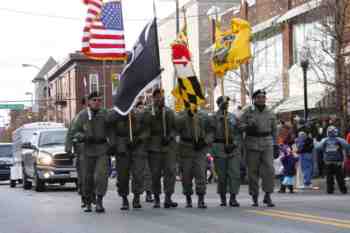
point(328, 54)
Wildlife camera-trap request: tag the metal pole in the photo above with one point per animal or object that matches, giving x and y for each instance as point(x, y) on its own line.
point(105, 84)
point(177, 34)
point(177, 17)
point(304, 67)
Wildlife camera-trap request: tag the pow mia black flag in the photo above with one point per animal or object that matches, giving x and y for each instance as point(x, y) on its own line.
point(141, 71)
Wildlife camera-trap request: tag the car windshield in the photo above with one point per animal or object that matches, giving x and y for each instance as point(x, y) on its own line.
point(6, 151)
point(52, 138)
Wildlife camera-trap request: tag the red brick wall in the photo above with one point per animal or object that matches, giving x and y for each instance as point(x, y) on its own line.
point(68, 88)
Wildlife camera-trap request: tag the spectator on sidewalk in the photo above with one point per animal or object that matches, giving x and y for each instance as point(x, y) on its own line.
point(289, 162)
point(305, 146)
point(334, 149)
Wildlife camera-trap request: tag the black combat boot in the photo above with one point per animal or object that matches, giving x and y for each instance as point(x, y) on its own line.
point(291, 189)
point(88, 207)
point(136, 202)
point(267, 200)
point(282, 189)
point(83, 202)
point(188, 201)
point(201, 203)
point(149, 197)
point(255, 201)
point(233, 201)
point(99, 204)
point(168, 203)
point(156, 201)
point(223, 199)
point(93, 200)
point(125, 204)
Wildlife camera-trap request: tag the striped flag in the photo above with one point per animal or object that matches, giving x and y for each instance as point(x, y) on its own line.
point(188, 90)
point(104, 31)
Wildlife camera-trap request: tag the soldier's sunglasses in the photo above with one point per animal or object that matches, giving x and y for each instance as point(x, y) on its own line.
point(97, 100)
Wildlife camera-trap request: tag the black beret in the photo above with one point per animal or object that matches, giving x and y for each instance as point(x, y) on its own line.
point(94, 94)
point(156, 91)
point(220, 99)
point(259, 92)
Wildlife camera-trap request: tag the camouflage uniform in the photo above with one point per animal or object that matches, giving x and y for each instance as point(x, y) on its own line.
point(91, 128)
point(260, 128)
point(162, 156)
point(227, 157)
point(130, 156)
point(192, 154)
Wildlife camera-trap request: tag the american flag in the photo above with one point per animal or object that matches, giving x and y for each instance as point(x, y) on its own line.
point(104, 31)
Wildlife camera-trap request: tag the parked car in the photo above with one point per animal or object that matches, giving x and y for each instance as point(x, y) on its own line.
point(6, 160)
point(48, 162)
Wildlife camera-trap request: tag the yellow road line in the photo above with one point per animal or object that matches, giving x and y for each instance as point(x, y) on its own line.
point(293, 216)
point(310, 216)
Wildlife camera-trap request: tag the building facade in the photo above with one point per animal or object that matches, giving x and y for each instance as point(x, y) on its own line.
point(74, 79)
point(281, 31)
point(200, 38)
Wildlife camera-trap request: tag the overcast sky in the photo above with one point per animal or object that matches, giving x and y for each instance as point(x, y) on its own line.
point(27, 37)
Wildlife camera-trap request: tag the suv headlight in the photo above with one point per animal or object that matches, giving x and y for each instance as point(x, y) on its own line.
point(44, 159)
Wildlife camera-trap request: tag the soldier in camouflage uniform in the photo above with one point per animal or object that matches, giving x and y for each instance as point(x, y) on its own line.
point(130, 154)
point(90, 128)
point(227, 154)
point(161, 145)
point(194, 136)
point(260, 128)
point(71, 146)
point(147, 172)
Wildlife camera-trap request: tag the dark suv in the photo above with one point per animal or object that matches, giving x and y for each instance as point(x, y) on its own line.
point(6, 160)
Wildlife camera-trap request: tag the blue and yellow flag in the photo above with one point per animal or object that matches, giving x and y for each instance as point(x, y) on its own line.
point(232, 47)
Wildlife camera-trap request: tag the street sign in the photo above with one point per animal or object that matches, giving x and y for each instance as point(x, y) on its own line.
point(12, 106)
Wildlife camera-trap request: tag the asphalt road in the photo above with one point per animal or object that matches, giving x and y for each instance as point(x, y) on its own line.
point(58, 211)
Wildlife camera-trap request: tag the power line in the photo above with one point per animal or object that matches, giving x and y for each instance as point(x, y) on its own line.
point(38, 14)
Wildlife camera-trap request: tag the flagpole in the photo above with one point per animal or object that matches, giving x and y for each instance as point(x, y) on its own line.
point(225, 111)
point(130, 128)
point(222, 80)
point(105, 83)
point(156, 30)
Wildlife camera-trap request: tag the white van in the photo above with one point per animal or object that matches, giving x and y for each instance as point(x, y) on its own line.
point(23, 135)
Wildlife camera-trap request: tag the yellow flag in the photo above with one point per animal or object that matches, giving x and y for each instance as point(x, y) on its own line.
point(240, 51)
point(224, 41)
point(232, 47)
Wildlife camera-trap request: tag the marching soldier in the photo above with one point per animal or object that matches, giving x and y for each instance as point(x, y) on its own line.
point(90, 128)
point(260, 128)
point(227, 152)
point(147, 176)
point(72, 146)
point(128, 138)
point(162, 158)
point(194, 136)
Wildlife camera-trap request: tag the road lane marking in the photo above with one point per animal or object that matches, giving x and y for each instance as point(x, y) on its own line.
point(342, 221)
point(298, 217)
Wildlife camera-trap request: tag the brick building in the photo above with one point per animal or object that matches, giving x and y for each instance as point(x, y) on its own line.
point(73, 80)
point(281, 29)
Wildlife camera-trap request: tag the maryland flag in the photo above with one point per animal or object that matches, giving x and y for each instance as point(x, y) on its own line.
point(232, 47)
point(188, 92)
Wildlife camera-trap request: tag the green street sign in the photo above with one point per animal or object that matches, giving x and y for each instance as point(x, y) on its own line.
point(12, 106)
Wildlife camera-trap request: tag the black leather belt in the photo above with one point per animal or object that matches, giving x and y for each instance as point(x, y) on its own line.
point(260, 135)
point(220, 140)
point(98, 141)
point(189, 140)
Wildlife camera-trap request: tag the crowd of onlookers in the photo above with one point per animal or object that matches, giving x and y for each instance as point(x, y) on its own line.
point(311, 149)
